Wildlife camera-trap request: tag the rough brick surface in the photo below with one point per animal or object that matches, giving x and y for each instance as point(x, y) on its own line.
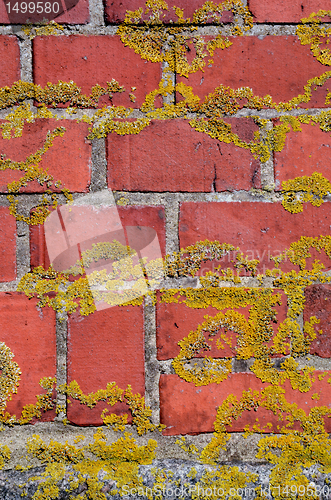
point(264, 64)
point(107, 346)
point(187, 409)
point(7, 245)
point(76, 12)
point(82, 59)
point(282, 11)
point(30, 335)
point(68, 160)
point(171, 156)
point(116, 9)
point(175, 321)
point(318, 304)
point(304, 153)
point(153, 217)
point(259, 229)
point(9, 60)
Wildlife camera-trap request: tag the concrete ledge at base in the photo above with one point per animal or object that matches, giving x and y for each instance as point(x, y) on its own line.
point(178, 485)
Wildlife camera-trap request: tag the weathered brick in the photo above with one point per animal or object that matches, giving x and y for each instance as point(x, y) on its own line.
point(75, 12)
point(68, 160)
point(9, 60)
point(116, 9)
point(282, 11)
point(187, 409)
point(82, 59)
point(171, 156)
point(7, 245)
point(29, 333)
point(175, 321)
point(153, 217)
point(107, 346)
point(318, 304)
point(264, 64)
point(260, 230)
point(304, 152)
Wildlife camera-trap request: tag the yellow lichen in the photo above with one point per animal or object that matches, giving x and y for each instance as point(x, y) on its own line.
point(304, 189)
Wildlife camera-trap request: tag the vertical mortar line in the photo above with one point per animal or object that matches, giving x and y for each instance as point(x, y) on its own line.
point(97, 13)
point(99, 165)
point(166, 74)
point(61, 359)
point(152, 372)
point(267, 168)
point(22, 249)
point(172, 221)
point(25, 45)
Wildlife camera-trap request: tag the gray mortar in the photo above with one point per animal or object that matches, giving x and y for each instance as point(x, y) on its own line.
point(25, 45)
point(178, 484)
point(61, 359)
point(22, 249)
point(97, 17)
point(152, 372)
point(99, 166)
point(267, 168)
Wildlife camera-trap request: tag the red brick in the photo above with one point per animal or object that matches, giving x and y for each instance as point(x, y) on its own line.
point(171, 156)
point(7, 245)
point(9, 60)
point(282, 11)
point(318, 300)
point(153, 217)
point(175, 321)
point(116, 9)
point(29, 333)
point(259, 229)
point(107, 346)
point(81, 59)
point(304, 153)
point(68, 160)
point(187, 409)
point(76, 12)
point(265, 65)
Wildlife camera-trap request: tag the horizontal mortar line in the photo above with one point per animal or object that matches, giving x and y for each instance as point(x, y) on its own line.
point(263, 29)
point(266, 113)
point(247, 282)
point(136, 199)
point(111, 29)
point(75, 29)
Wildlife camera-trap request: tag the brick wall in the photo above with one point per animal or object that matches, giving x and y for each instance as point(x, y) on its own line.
point(201, 158)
